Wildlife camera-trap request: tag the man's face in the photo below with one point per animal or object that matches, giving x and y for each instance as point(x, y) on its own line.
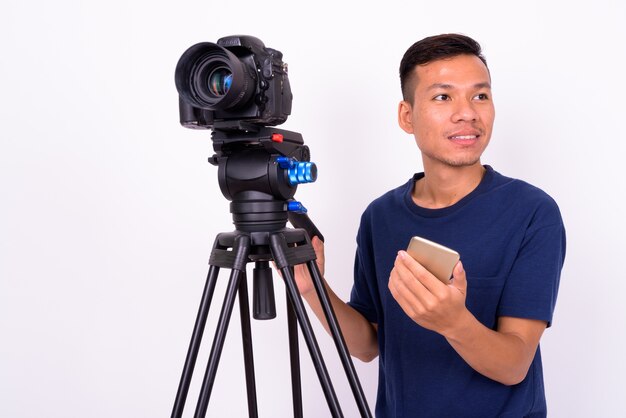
point(452, 113)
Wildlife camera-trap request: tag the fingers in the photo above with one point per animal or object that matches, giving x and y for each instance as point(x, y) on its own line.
point(404, 291)
point(425, 277)
point(411, 284)
point(406, 285)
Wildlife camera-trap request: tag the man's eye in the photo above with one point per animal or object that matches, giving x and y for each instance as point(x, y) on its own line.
point(482, 96)
point(441, 97)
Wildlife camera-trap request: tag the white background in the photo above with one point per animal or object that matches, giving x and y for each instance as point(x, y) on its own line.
point(108, 208)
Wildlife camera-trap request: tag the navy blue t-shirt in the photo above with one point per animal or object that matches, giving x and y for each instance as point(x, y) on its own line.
point(512, 243)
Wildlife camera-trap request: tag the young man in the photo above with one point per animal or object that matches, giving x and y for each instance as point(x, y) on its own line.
point(471, 348)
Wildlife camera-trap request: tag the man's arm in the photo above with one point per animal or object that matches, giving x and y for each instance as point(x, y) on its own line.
point(503, 355)
point(360, 335)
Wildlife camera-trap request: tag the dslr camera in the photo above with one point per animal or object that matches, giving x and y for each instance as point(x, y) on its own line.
point(234, 84)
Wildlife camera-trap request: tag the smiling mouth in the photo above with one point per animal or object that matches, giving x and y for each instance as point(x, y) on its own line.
point(463, 137)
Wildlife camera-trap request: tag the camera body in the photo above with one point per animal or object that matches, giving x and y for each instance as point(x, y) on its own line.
point(234, 84)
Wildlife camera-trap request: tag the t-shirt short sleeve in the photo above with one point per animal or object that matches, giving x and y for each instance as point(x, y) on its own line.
point(365, 296)
point(532, 285)
point(361, 298)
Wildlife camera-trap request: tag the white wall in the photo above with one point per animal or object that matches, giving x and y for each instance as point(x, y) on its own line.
point(108, 208)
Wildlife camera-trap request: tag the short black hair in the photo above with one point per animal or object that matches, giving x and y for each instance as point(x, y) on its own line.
point(431, 49)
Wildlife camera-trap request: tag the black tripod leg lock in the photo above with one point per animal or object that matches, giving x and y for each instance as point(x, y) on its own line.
point(235, 259)
point(290, 256)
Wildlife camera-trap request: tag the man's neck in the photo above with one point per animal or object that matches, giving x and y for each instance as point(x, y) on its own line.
point(443, 186)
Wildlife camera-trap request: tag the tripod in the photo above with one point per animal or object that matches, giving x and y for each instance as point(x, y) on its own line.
point(258, 170)
point(287, 247)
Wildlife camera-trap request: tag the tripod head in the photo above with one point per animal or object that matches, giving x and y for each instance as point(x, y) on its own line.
point(259, 172)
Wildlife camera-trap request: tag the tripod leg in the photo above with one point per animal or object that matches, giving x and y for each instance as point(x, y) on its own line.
point(218, 344)
point(278, 246)
point(194, 345)
point(246, 338)
point(294, 355)
point(241, 250)
point(340, 343)
point(314, 350)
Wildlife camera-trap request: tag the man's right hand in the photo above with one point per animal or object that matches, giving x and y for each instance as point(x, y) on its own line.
point(360, 335)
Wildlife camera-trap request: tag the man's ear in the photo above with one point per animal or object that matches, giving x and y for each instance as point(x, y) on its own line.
point(405, 111)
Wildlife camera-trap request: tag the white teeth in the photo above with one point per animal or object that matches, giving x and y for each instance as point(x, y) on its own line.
point(464, 137)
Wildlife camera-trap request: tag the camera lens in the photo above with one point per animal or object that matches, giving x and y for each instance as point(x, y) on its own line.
point(213, 78)
point(220, 81)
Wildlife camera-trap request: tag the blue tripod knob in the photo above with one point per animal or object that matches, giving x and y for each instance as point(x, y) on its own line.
point(298, 172)
point(295, 206)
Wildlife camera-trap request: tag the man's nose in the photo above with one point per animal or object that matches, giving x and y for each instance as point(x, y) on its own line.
point(464, 111)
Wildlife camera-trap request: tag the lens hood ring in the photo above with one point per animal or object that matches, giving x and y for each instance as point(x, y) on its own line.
point(194, 69)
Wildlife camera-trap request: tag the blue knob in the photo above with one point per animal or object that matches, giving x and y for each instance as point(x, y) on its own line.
point(298, 171)
point(285, 162)
point(294, 206)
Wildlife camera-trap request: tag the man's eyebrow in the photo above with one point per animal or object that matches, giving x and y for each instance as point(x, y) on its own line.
point(483, 85)
point(444, 86)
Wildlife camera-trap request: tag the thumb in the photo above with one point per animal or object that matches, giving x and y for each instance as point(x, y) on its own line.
point(318, 246)
point(459, 279)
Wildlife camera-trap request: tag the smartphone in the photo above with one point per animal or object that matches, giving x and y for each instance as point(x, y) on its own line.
point(436, 258)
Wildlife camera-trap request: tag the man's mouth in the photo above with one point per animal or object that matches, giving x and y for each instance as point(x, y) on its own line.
point(463, 137)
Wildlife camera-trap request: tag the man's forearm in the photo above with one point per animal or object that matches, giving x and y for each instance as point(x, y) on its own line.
point(504, 355)
point(360, 335)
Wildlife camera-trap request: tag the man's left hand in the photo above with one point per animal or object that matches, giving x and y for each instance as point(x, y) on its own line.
point(424, 298)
